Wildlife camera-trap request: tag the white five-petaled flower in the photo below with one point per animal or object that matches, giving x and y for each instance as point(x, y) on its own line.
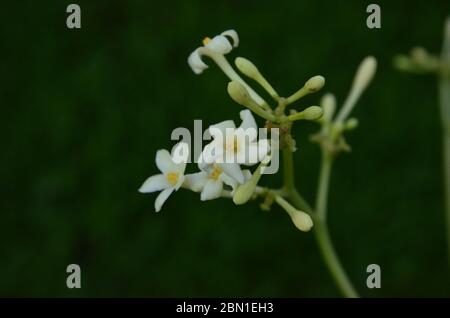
point(209, 181)
point(172, 176)
point(234, 146)
point(217, 46)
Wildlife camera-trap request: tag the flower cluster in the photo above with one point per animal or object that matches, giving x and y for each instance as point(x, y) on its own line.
point(219, 163)
point(221, 172)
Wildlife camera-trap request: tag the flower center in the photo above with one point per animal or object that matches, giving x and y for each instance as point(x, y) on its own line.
point(206, 40)
point(172, 178)
point(233, 145)
point(215, 173)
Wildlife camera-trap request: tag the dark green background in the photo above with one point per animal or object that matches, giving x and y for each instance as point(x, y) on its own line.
point(84, 111)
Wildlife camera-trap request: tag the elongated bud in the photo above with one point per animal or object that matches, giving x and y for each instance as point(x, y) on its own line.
point(363, 77)
point(247, 68)
point(364, 74)
point(250, 70)
point(312, 85)
point(244, 192)
point(301, 220)
point(328, 103)
point(241, 96)
point(315, 83)
point(310, 113)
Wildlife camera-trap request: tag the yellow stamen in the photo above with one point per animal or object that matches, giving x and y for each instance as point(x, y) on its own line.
point(215, 174)
point(206, 40)
point(233, 146)
point(172, 178)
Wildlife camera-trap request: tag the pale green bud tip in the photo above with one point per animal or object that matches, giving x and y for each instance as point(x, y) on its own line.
point(315, 83)
point(238, 92)
point(365, 73)
point(302, 221)
point(247, 67)
point(312, 113)
point(243, 193)
point(351, 124)
point(328, 103)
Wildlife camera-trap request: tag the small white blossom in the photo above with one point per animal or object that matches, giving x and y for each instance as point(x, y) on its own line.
point(172, 176)
point(218, 45)
point(209, 181)
point(234, 146)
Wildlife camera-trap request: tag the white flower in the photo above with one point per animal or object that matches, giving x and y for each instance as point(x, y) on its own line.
point(218, 45)
point(172, 176)
point(234, 146)
point(209, 181)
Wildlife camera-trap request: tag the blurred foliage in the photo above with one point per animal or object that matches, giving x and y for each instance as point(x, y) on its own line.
point(84, 111)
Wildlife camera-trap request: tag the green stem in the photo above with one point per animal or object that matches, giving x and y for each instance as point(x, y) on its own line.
point(288, 171)
point(444, 100)
point(323, 186)
point(320, 227)
point(322, 234)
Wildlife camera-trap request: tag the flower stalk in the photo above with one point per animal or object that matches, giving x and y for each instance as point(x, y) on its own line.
point(217, 178)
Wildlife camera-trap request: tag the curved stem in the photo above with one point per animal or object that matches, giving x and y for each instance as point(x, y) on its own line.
point(320, 226)
point(288, 170)
point(323, 186)
point(322, 234)
point(330, 257)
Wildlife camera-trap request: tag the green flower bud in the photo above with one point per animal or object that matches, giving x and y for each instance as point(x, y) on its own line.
point(315, 83)
point(312, 85)
point(302, 221)
point(250, 70)
point(310, 113)
point(244, 192)
point(241, 96)
point(247, 68)
point(351, 123)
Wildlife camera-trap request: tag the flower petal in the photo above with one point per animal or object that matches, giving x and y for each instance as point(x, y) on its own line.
point(248, 154)
point(180, 156)
point(210, 153)
point(196, 181)
point(220, 130)
point(161, 198)
point(233, 34)
point(212, 190)
point(263, 148)
point(245, 137)
point(164, 161)
point(228, 180)
point(196, 63)
point(233, 170)
point(219, 44)
point(248, 121)
point(154, 183)
point(180, 182)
